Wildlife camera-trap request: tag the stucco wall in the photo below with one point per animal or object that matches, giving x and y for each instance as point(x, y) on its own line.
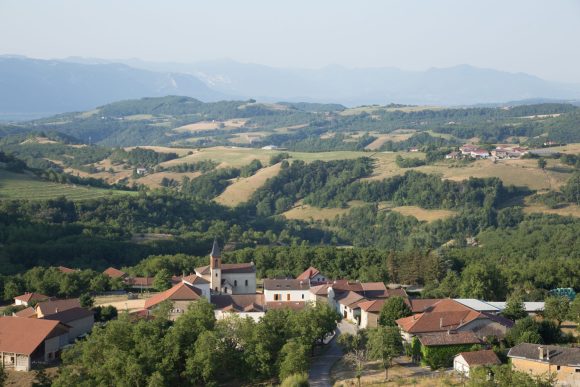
point(566, 376)
point(295, 295)
point(80, 327)
point(241, 279)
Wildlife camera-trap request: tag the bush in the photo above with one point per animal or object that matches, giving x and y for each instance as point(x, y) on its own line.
point(296, 380)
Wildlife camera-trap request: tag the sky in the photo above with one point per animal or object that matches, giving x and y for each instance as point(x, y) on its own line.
point(539, 37)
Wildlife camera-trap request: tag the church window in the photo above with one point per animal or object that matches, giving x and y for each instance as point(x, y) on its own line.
point(302, 295)
point(235, 282)
point(246, 282)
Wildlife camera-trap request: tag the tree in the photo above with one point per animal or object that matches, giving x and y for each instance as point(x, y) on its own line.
point(204, 365)
point(162, 280)
point(298, 380)
point(574, 312)
point(481, 281)
point(385, 343)
point(557, 308)
point(41, 379)
point(525, 330)
point(542, 163)
point(514, 309)
point(393, 309)
point(86, 300)
point(3, 375)
point(356, 355)
point(505, 375)
point(294, 359)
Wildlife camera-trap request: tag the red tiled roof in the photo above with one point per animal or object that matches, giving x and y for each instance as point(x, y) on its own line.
point(239, 302)
point(53, 306)
point(349, 298)
point(448, 338)
point(26, 313)
point(66, 270)
point(419, 305)
point(24, 335)
point(441, 316)
point(194, 279)
point(229, 268)
point(373, 306)
point(140, 281)
point(27, 297)
point(114, 273)
point(70, 315)
point(286, 284)
point(179, 292)
point(311, 272)
point(477, 358)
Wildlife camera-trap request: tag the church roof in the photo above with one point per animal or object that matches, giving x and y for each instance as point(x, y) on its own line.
point(229, 268)
point(215, 250)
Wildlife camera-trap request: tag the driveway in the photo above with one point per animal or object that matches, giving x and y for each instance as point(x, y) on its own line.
point(319, 375)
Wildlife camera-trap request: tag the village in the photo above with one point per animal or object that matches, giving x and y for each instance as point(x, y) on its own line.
point(464, 329)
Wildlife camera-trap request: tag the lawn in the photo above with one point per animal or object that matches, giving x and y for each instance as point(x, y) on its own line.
point(243, 188)
point(25, 186)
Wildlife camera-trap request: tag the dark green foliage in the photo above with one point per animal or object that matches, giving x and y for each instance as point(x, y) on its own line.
point(209, 185)
point(275, 159)
point(250, 169)
point(442, 356)
point(393, 309)
point(514, 309)
point(409, 162)
point(385, 343)
point(525, 330)
point(505, 375)
point(556, 308)
point(294, 359)
point(105, 313)
point(86, 300)
point(141, 157)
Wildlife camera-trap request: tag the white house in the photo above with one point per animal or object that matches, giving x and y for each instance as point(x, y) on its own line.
point(26, 298)
point(465, 361)
point(287, 290)
point(313, 275)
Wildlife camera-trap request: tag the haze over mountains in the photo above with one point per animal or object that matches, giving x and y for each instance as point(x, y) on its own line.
point(33, 87)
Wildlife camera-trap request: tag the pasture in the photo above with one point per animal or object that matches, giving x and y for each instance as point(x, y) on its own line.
point(242, 189)
point(24, 186)
point(423, 214)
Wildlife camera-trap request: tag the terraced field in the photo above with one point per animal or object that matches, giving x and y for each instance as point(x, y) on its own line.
point(24, 186)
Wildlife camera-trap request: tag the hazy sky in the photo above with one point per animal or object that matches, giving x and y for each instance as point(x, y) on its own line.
point(540, 37)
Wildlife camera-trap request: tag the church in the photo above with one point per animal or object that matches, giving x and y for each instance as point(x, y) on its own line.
point(228, 278)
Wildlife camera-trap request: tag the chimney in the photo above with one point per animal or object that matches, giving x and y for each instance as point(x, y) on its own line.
point(441, 323)
point(548, 354)
point(541, 353)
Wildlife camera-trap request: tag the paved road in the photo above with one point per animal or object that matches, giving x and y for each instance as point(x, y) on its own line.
point(319, 375)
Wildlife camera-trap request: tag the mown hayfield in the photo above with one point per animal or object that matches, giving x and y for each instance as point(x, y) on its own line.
point(242, 189)
point(423, 214)
point(383, 138)
point(210, 125)
point(24, 186)
point(305, 212)
point(569, 210)
point(154, 180)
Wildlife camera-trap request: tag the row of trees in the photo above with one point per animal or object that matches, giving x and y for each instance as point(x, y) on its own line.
point(196, 349)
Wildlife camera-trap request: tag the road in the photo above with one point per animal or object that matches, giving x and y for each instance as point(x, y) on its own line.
point(319, 375)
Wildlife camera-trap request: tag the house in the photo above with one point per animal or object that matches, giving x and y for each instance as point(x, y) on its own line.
point(244, 305)
point(532, 308)
point(438, 349)
point(26, 298)
point(313, 275)
point(200, 283)
point(478, 305)
point(542, 360)
point(348, 304)
point(453, 156)
point(140, 283)
point(450, 315)
point(229, 278)
point(29, 312)
point(24, 340)
point(413, 149)
point(467, 149)
point(115, 273)
point(181, 295)
point(286, 290)
point(141, 171)
point(66, 270)
point(49, 307)
point(479, 153)
point(79, 321)
point(465, 361)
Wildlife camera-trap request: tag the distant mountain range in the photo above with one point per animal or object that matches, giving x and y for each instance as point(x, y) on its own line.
point(32, 86)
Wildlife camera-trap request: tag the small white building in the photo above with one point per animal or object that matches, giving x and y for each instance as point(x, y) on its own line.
point(465, 361)
point(287, 290)
point(313, 275)
point(26, 298)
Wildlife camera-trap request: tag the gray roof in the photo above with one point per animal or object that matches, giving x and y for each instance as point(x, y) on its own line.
point(475, 304)
point(558, 355)
point(286, 284)
point(215, 250)
point(70, 315)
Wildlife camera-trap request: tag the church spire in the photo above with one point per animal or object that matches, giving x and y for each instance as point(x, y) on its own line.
point(215, 250)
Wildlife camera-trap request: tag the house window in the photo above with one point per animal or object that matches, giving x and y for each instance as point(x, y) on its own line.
point(235, 282)
point(216, 289)
point(226, 289)
point(276, 297)
point(302, 295)
point(287, 297)
point(246, 282)
point(216, 274)
point(558, 368)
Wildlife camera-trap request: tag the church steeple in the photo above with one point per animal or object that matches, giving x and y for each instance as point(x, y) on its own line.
point(215, 250)
point(215, 264)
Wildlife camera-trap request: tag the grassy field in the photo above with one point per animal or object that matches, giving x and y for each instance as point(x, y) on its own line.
point(374, 108)
point(569, 210)
point(24, 186)
point(305, 212)
point(343, 375)
point(241, 189)
point(382, 138)
point(423, 214)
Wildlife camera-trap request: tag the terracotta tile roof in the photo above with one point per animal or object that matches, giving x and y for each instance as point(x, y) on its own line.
point(179, 292)
point(448, 338)
point(367, 289)
point(66, 270)
point(70, 315)
point(26, 313)
point(53, 306)
point(114, 273)
point(320, 290)
point(27, 297)
point(499, 319)
point(398, 292)
point(194, 279)
point(419, 305)
point(309, 273)
point(558, 355)
point(478, 358)
point(239, 302)
point(140, 281)
point(373, 306)
point(349, 298)
point(286, 284)
point(294, 305)
point(24, 335)
point(203, 270)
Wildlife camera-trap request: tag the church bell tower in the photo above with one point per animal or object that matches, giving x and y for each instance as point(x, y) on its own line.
point(215, 265)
